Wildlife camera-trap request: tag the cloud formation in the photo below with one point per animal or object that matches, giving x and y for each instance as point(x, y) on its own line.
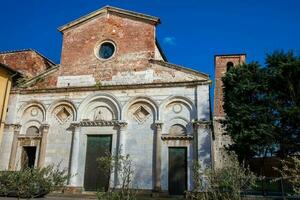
point(170, 40)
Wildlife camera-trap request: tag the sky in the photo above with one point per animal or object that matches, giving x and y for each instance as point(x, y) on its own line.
point(191, 33)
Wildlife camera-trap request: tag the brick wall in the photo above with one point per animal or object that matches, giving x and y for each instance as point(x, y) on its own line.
point(28, 62)
point(220, 69)
point(135, 44)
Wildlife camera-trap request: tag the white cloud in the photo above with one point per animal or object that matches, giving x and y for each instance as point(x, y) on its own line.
point(170, 41)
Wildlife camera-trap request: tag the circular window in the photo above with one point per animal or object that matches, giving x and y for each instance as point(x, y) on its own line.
point(106, 50)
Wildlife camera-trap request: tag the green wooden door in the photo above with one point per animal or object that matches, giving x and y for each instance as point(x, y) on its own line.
point(177, 170)
point(95, 178)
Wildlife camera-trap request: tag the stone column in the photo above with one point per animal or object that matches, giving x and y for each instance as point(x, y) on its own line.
point(195, 140)
point(122, 139)
point(43, 145)
point(157, 186)
point(14, 147)
point(120, 148)
point(74, 155)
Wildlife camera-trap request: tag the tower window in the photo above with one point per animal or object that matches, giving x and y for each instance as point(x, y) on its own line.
point(229, 65)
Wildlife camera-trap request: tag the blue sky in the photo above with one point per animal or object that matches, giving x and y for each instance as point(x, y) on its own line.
point(191, 33)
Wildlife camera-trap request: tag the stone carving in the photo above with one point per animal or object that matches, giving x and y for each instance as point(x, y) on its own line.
point(141, 114)
point(34, 112)
point(102, 113)
point(98, 115)
point(177, 108)
point(63, 114)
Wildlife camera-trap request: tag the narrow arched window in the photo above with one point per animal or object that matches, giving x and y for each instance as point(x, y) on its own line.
point(229, 65)
point(32, 131)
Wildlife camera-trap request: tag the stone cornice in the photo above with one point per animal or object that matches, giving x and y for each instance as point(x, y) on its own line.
point(32, 137)
point(202, 124)
point(176, 137)
point(102, 123)
point(110, 87)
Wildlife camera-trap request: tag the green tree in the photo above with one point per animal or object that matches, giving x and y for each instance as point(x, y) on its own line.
point(262, 107)
point(284, 100)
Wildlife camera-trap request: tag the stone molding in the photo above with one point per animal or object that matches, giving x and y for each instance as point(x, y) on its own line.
point(158, 125)
point(202, 124)
point(120, 124)
point(110, 87)
point(177, 137)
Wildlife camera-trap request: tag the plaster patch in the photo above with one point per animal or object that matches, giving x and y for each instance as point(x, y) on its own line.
point(82, 80)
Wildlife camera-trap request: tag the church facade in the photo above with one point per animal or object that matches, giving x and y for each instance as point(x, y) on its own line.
point(114, 91)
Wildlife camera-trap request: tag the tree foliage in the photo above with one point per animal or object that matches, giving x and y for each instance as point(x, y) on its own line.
point(29, 183)
point(227, 183)
point(122, 164)
point(262, 106)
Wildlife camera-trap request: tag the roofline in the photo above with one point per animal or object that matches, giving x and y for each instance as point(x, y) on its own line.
point(170, 65)
point(161, 51)
point(21, 50)
point(41, 75)
point(231, 54)
point(11, 70)
point(107, 9)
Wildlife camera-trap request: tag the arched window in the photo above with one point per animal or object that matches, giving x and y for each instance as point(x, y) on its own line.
point(177, 129)
point(32, 131)
point(229, 65)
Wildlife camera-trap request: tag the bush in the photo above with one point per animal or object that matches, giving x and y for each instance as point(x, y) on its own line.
point(123, 166)
point(30, 183)
point(290, 171)
point(227, 183)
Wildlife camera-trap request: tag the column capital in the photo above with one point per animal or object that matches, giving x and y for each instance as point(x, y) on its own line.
point(45, 127)
point(201, 124)
point(16, 127)
point(73, 126)
point(158, 124)
point(122, 125)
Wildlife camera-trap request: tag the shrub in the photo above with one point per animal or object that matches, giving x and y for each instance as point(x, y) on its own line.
point(29, 183)
point(227, 183)
point(123, 166)
point(290, 171)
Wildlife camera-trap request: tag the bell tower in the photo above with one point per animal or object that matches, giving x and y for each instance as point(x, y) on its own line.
point(222, 64)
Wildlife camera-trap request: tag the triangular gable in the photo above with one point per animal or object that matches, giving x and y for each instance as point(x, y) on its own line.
point(112, 10)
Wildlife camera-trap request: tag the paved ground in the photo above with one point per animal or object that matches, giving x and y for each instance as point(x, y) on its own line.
point(87, 197)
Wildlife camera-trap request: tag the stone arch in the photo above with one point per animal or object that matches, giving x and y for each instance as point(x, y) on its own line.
point(178, 121)
point(184, 100)
point(31, 104)
point(62, 102)
point(99, 100)
point(140, 99)
point(28, 124)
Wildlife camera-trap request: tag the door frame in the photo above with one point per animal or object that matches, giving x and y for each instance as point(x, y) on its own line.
point(111, 152)
point(186, 165)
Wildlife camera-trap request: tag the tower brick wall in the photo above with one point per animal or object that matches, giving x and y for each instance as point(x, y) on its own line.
point(222, 63)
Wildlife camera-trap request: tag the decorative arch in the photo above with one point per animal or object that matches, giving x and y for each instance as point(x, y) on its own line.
point(25, 106)
point(106, 100)
point(28, 124)
point(184, 100)
point(140, 99)
point(179, 121)
point(62, 102)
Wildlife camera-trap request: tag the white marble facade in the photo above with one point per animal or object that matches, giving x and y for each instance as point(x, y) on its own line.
point(131, 116)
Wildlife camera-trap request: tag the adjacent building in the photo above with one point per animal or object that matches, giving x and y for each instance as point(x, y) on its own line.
point(8, 77)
